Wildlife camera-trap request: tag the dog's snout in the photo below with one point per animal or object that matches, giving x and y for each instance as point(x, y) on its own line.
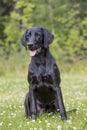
point(31, 45)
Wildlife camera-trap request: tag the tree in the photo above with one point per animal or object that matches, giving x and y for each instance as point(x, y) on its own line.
point(70, 30)
point(19, 20)
point(67, 20)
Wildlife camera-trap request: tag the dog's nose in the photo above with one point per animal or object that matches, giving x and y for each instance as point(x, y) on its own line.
point(30, 45)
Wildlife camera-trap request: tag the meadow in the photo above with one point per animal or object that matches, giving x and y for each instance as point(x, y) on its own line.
point(13, 89)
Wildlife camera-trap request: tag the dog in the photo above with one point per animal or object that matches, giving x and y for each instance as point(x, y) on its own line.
point(43, 75)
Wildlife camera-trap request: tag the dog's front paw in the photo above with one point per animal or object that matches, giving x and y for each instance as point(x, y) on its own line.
point(63, 117)
point(33, 118)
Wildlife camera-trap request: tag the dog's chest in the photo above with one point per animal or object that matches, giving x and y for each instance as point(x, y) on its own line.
point(41, 74)
point(41, 77)
point(41, 66)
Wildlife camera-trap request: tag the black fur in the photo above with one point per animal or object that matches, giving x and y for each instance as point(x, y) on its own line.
point(43, 76)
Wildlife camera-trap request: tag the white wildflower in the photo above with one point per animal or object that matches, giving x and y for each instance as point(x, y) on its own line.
point(33, 120)
point(1, 123)
point(74, 128)
point(28, 123)
point(40, 121)
point(48, 124)
point(20, 126)
point(46, 121)
point(59, 127)
point(31, 128)
point(10, 124)
point(69, 121)
point(41, 129)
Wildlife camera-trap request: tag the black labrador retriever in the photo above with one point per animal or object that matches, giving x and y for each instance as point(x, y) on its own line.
point(43, 75)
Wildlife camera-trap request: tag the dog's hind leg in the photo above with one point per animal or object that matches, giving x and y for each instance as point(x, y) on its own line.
point(27, 105)
point(72, 110)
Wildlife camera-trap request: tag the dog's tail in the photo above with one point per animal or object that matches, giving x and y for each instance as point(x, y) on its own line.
point(72, 110)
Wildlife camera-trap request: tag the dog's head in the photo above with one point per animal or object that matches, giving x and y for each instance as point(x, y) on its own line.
point(35, 38)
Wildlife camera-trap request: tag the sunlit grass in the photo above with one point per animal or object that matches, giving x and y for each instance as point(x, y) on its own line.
point(12, 95)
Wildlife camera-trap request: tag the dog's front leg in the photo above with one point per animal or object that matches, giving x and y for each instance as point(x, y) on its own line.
point(32, 104)
point(27, 105)
point(61, 104)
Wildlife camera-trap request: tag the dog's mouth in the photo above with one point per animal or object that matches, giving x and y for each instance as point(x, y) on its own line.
point(34, 52)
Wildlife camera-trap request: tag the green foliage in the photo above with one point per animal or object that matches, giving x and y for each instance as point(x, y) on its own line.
point(66, 19)
point(19, 20)
point(71, 35)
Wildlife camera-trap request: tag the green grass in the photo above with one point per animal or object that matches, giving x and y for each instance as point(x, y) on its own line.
point(12, 95)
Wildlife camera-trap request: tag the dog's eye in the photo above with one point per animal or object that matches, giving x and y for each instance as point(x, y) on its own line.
point(36, 34)
point(29, 34)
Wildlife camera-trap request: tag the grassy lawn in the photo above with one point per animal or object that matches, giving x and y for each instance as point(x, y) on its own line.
point(12, 95)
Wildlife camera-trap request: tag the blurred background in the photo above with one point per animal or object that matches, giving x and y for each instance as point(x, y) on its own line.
point(66, 19)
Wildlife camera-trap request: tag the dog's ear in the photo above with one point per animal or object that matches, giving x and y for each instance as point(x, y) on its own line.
point(23, 39)
point(48, 37)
